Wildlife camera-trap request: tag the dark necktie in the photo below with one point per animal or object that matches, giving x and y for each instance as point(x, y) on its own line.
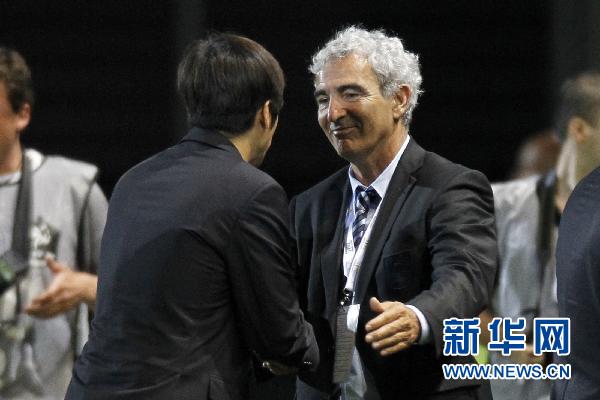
point(366, 200)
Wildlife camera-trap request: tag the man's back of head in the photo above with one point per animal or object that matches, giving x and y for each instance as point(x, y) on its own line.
point(578, 126)
point(225, 79)
point(579, 97)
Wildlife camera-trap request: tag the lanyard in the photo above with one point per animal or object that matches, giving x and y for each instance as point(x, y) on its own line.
point(352, 265)
point(20, 238)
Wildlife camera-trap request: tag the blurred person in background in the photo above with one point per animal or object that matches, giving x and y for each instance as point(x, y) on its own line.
point(527, 216)
point(52, 215)
point(537, 155)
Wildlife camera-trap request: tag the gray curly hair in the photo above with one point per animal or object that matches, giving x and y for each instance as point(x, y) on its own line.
point(393, 65)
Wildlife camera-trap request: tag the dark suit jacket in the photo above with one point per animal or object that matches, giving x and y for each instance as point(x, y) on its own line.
point(578, 289)
point(433, 246)
point(194, 273)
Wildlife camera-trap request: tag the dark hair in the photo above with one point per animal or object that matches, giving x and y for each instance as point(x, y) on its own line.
point(16, 75)
point(225, 79)
point(579, 97)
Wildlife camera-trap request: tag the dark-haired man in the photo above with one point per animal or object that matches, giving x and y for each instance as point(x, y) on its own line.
point(51, 210)
point(195, 270)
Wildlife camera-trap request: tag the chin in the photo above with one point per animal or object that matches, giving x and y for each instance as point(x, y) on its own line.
point(346, 153)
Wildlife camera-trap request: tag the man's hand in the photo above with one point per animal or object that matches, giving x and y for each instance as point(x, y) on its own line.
point(67, 290)
point(394, 329)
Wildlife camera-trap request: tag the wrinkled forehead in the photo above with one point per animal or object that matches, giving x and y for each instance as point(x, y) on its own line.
point(349, 69)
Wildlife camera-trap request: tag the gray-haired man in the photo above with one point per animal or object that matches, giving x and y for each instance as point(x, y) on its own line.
point(402, 237)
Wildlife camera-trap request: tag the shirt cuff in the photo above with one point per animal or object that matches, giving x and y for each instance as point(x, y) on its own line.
point(425, 336)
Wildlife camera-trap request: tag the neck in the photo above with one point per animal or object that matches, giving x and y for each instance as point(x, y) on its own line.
point(243, 146)
point(245, 143)
point(563, 191)
point(367, 169)
point(10, 158)
point(571, 167)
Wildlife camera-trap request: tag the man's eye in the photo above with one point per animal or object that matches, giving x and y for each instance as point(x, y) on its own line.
point(321, 100)
point(351, 95)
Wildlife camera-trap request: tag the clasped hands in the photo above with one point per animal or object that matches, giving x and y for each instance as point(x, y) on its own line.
point(395, 328)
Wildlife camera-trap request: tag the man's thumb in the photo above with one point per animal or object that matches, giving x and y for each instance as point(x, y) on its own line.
point(54, 265)
point(375, 305)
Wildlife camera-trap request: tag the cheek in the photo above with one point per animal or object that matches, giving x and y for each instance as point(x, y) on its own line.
point(322, 120)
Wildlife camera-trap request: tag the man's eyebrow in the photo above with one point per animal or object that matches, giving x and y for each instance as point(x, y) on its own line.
point(351, 86)
point(342, 88)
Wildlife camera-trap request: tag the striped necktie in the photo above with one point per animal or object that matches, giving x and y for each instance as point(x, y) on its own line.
point(366, 203)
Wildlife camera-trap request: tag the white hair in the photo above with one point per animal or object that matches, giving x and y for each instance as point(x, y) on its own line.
point(393, 65)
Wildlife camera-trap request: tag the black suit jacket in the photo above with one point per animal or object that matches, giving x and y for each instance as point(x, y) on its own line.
point(433, 246)
point(578, 289)
point(195, 274)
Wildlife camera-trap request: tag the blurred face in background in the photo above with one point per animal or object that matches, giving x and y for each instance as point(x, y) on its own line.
point(11, 122)
point(589, 147)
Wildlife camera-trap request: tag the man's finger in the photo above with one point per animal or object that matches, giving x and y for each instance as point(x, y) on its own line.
point(39, 311)
point(47, 310)
point(394, 349)
point(45, 297)
point(389, 329)
point(54, 265)
point(399, 337)
point(392, 311)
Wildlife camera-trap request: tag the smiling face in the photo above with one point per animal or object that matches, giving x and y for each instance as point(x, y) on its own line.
point(359, 122)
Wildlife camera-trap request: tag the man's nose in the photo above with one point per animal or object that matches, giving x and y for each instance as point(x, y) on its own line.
point(335, 110)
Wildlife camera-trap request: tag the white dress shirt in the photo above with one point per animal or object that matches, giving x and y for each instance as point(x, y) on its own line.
point(356, 387)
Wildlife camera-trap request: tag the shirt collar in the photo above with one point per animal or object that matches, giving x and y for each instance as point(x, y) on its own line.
point(383, 180)
point(35, 160)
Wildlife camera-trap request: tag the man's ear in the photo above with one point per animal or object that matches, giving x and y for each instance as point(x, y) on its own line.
point(267, 120)
point(23, 117)
point(579, 129)
point(400, 99)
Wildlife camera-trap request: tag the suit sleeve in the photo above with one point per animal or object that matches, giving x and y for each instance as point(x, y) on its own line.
point(301, 273)
point(264, 283)
point(462, 245)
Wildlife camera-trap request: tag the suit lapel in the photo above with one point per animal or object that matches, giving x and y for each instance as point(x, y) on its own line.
point(331, 220)
point(399, 188)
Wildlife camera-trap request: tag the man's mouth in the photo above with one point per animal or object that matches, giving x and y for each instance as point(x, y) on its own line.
point(341, 131)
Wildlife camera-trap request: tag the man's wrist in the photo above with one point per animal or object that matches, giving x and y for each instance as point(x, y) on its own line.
point(424, 331)
point(89, 283)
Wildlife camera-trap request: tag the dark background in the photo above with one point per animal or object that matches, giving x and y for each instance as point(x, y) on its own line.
point(104, 73)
